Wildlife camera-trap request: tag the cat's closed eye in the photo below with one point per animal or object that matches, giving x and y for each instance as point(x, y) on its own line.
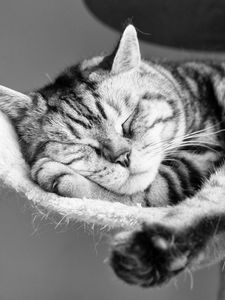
point(98, 151)
point(126, 128)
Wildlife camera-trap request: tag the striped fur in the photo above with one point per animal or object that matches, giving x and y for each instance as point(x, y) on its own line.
point(125, 129)
point(86, 118)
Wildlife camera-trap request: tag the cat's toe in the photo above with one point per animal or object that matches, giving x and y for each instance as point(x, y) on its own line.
point(148, 257)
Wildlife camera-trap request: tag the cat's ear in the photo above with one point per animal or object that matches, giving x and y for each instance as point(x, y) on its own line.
point(127, 54)
point(13, 103)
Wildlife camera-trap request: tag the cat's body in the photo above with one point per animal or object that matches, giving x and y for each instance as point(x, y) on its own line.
point(179, 162)
point(120, 128)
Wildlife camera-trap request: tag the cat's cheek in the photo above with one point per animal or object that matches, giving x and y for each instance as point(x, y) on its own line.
point(137, 183)
point(143, 170)
point(141, 162)
point(113, 177)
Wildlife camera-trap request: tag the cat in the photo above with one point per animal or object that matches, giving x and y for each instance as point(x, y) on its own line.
point(120, 128)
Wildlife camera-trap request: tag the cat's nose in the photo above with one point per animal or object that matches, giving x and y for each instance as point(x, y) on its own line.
point(123, 159)
point(117, 151)
point(121, 156)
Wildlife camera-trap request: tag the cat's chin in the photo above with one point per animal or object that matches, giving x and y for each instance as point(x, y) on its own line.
point(140, 177)
point(138, 181)
point(143, 164)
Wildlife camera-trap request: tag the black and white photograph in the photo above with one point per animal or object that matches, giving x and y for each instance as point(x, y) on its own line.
point(112, 150)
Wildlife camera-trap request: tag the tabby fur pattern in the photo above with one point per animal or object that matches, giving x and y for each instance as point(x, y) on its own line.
point(124, 129)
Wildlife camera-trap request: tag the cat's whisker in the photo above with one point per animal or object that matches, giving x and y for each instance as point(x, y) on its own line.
point(206, 134)
point(194, 144)
point(190, 141)
point(201, 145)
point(174, 150)
point(192, 135)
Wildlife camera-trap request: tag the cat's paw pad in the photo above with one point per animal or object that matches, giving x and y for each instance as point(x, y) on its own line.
point(149, 257)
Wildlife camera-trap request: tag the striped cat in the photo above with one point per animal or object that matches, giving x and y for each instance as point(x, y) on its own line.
point(121, 128)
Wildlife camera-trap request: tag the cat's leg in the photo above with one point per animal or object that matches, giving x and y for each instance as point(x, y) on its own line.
point(56, 177)
point(189, 235)
point(180, 176)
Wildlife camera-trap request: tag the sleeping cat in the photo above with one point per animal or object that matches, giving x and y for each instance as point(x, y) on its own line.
point(121, 128)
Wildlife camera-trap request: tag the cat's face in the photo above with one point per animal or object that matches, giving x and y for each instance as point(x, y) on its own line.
point(117, 118)
point(135, 125)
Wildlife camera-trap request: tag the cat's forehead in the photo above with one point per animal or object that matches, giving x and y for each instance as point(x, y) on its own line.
point(98, 82)
point(120, 91)
point(118, 83)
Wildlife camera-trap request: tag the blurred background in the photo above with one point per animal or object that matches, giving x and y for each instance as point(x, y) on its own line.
point(39, 260)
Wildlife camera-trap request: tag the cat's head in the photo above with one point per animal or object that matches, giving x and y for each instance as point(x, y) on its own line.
point(124, 109)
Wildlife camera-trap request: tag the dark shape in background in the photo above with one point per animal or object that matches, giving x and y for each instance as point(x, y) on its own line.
point(187, 24)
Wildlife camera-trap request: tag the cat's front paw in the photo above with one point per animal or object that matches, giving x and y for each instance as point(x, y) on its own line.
point(151, 256)
point(59, 179)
